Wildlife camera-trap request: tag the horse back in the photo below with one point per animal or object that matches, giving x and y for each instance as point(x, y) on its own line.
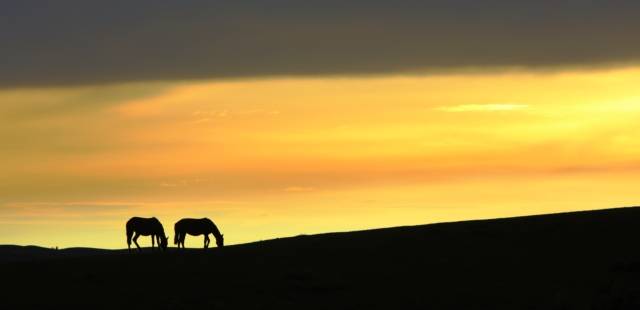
point(191, 225)
point(144, 225)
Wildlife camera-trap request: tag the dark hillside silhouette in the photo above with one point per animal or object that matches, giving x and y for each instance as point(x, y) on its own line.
point(582, 260)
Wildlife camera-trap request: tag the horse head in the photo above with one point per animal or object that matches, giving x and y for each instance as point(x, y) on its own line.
point(220, 240)
point(163, 242)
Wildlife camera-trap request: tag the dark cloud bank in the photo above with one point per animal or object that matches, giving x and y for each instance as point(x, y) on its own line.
point(46, 43)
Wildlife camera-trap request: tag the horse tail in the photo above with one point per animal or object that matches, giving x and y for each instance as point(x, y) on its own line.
point(176, 234)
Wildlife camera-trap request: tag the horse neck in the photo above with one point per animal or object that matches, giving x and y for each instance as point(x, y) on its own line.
point(161, 232)
point(215, 231)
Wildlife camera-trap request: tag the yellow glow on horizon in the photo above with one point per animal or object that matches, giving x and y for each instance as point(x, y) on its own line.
point(281, 157)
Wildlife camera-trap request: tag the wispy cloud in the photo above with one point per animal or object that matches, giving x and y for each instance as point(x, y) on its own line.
point(181, 183)
point(487, 107)
point(208, 115)
point(212, 113)
point(299, 189)
point(65, 211)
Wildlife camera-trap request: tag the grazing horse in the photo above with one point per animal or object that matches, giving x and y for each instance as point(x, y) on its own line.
point(146, 227)
point(196, 227)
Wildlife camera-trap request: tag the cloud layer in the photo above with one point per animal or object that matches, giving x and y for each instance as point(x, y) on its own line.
point(73, 42)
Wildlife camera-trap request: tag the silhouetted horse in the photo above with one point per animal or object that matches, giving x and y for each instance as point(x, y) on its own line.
point(146, 227)
point(196, 227)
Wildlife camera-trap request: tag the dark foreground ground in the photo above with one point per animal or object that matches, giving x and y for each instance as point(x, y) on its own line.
point(585, 260)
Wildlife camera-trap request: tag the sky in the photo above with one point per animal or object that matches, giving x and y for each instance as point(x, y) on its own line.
point(281, 118)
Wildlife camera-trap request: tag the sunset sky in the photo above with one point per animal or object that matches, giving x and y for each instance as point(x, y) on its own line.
point(282, 118)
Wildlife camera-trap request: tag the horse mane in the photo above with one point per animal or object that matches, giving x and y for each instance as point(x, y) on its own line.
point(216, 232)
point(160, 225)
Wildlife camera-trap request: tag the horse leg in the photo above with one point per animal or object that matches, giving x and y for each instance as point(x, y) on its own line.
point(153, 242)
point(135, 240)
point(206, 241)
point(129, 234)
point(182, 237)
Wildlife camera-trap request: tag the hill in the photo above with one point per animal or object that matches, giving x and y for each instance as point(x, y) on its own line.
point(580, 260)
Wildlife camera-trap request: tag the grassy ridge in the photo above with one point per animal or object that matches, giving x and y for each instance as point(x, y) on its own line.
point(582, 260)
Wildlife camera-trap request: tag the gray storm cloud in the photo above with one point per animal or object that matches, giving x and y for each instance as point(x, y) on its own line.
point(50, 43)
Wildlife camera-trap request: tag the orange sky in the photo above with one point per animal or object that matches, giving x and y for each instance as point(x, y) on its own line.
point(277, 157)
